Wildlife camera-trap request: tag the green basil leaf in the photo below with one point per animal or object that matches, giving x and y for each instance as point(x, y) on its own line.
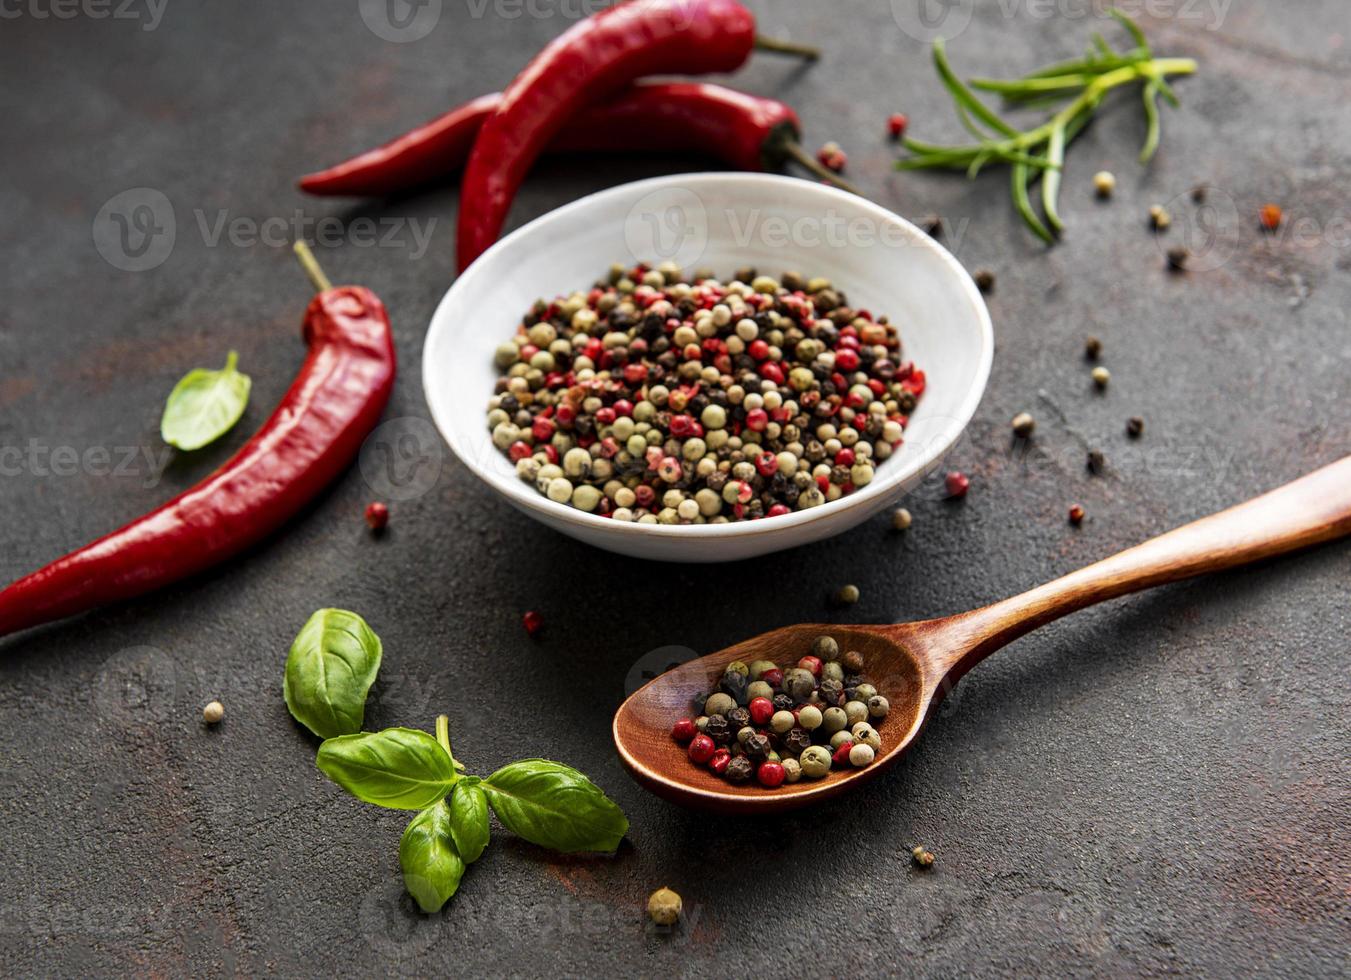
point(432, 867)
point(329, 672)
point(399, 768)
point(205, 405)
point(555, 806)
point(469, 818)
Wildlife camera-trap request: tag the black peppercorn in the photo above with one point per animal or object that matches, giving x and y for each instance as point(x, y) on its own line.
point(1135, 426)
point(831, 692)
point(734, 684)
point(984, 280)
point(1096, 461)
point(718, 729)
point(798, 740)
point(756, 746)
point(782, 702)
point(738, 718)
point(739, 770)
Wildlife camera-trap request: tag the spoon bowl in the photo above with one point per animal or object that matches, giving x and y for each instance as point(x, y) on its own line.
point(915, 664)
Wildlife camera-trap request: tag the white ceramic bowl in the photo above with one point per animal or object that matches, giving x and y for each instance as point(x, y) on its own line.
point(721, 221)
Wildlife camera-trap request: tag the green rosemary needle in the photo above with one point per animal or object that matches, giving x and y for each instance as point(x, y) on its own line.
point(1040, 152)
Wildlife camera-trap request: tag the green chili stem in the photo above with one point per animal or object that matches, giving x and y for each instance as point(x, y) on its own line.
point(805, 159)
point(311, 266)
point(776, 45)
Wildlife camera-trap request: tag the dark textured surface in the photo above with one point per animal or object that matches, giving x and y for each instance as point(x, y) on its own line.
point(1157, 785)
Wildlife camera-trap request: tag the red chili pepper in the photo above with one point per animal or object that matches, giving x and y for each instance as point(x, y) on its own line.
point(746, 132)
point(314, 434)
point(591, 60)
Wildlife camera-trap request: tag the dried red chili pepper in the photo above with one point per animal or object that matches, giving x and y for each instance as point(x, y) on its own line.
point(594, 58)
point(747, 132)
point(313, 436)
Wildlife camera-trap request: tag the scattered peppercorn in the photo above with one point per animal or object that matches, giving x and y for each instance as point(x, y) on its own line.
point(1177, 258)
point(922, 857)
point(1101, 376)
point(1199, 194)
point(896, 124)
point(1023, 424)
point(1135, 426)
point(847, 595)
point(532, 621)
point(377, 516)
point(957, 484)
point(1076, 515)
point(664, 907)
point(1271, 216)
point(213, 712)
point(901, 519)
point(801, 731)
point(932, 225)
point(1092, 348)
point(1159, 218)
point(652, 398)
point(832, 156)
point(1097, 462)
point(1104, 183)
point(984, 280)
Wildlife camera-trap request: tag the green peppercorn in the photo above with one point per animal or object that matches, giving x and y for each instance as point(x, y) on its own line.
point(825, 647)
point(664, 907)
point(799, 683)
point(833, 720)
point(839, 738)
point(759, 689)
point(861, 755)
point(718, 704)
point(743, 733)
point(867, 734)
point(736, 667)
point(815, 762)
point(878, 706)
point(781, 721)
point(701, 723)
point(832, 670)
point(792, 770)
point(810, 718)
point(847, 595)
point(853, 662)
point(758, 667)
point(856, 711)
point(863, 692)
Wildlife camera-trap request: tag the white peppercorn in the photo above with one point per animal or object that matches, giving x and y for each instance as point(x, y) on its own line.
point(861, 755)
point(878, 706)
point(815, 762)
point(810, 717)
point(855, 711)
point(781, 721)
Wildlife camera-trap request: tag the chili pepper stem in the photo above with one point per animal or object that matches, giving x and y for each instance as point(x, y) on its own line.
point(776, 45)
point(800, 155)
point(311, 266)
point(443, 733)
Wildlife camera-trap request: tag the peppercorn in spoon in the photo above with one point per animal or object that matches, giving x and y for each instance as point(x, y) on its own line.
point(915, 664)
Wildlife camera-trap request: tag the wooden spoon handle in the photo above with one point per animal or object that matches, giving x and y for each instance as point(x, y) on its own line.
point(1309, 511)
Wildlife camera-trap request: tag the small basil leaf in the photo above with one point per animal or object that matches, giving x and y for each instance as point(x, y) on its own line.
point(329, 672)
point(555, 806)
point(432, 868)
point(399, 768)
point(469, 818)
point(205, 405)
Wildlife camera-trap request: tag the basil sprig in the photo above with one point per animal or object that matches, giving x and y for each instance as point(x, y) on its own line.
point(329, 672)
point(205, 405)
point(555, 806)
point(432, 866)
point(399, 768)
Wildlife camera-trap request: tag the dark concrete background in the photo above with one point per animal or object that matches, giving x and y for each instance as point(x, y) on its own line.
point(1156, 785)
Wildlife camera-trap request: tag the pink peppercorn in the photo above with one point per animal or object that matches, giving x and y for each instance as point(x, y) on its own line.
point(896, 124)
point(758, 350)
point(532, 621)
point(846, 359)
point(771, 372)
point(841, 756)
point(684, 730)
point(720, 761)
point(761, 709)
point(772, 677)
point(518, 451)
point(543, 429)
point(701, 749)
point(770, 774)
point(767, 464)
point(377, 516)
point(957, 484)
point(845, 457)
point(811, 663)
point(778, 510)
point(757, 419)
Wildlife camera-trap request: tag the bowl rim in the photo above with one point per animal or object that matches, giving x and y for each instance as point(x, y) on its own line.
point(520, 494)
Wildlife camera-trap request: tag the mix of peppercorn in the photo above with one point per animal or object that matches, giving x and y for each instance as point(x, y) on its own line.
point(779, 725)
point(658, 398)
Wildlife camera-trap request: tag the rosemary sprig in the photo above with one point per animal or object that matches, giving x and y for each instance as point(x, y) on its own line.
point(1077, 87)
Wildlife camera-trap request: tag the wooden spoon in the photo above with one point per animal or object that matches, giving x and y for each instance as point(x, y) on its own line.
point(915, 664)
